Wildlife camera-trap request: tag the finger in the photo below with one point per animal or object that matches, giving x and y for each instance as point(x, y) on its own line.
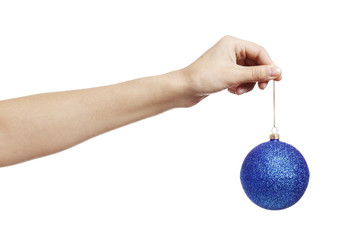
point(248, 85)
point(250, 62)
point(245, 49)
point(262, 85)
point(246, 62)
point(255, 74)
point(232, 90)
point(256, 52)
point(244, 88)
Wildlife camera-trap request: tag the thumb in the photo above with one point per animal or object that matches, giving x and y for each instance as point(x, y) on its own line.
point(258, 73)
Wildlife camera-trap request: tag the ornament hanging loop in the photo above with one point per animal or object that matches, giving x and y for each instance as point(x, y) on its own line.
point(274, 133)
point(274, 130)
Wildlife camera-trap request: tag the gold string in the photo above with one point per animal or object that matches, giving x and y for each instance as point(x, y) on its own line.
point(274, 131)
point(274, 102)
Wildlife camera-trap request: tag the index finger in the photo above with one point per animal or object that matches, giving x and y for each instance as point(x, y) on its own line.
point(254, 52)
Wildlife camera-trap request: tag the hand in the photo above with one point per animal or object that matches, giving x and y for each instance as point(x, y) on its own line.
point(232, 64)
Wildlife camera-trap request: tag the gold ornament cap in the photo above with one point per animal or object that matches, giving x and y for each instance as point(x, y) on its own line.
point(274, 133)
point(274, 136)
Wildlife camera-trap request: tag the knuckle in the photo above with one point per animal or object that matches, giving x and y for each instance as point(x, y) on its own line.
point(227, 38)
point(262, 49)
point(258, 74)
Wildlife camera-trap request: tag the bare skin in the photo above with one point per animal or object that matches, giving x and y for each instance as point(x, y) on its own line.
point(43, 124)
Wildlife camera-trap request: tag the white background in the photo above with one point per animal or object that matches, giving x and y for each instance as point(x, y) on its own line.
point(176, 175)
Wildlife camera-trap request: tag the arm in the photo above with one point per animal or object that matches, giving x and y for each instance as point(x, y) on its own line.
point(39, 125)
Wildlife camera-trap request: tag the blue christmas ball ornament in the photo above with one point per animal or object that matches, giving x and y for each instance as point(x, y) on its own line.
point(274, 175)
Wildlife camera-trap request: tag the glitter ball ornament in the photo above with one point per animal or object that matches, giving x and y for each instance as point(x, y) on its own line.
point(274, 175)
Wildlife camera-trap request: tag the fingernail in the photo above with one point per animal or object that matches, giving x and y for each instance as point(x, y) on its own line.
point(274, 72)
point(265, 84)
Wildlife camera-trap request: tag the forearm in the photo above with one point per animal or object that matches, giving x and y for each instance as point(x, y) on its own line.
point(39, 125)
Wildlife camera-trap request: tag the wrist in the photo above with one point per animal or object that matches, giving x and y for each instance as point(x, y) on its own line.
point(181, 88)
